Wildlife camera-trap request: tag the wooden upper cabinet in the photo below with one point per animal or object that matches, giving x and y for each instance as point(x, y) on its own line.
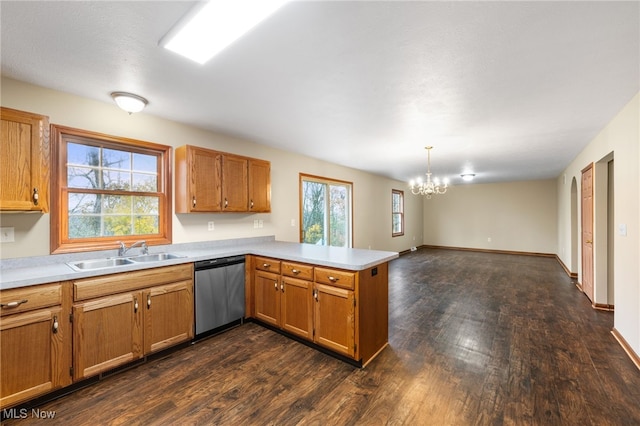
point(198, 180)
point(235, 191)
point(212, 181)
point(24, 164)
point(259, 186)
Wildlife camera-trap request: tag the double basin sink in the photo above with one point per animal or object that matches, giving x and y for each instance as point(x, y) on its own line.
point(112, 262)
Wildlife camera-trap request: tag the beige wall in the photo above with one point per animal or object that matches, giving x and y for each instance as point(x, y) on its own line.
point(619, 141)
point(519, 216)
point(372, 194)
point(516, 216)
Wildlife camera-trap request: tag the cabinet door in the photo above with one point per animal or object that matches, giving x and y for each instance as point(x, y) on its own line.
point(32, 355)
point(24, 164)
point(235, 192)
point(198, 180)
point(259, 186)
point(168, 315)
point(297, 307)
point(267, 294)
point(107, 333)
point(206, 180)
point(334, 319)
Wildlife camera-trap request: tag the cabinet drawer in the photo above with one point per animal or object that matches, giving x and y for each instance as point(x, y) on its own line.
point(267, 264)
point(335, 278)
point(89, 288)
point(297, 270)
point(29, 298)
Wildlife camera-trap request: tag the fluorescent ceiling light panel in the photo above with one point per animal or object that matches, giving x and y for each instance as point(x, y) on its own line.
point(215, 25)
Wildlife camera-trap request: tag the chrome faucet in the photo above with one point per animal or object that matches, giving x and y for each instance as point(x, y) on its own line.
point(122, 250)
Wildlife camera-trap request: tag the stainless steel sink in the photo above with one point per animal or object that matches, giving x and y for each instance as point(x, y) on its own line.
point(88, 265)
point(85, 265)
point(154, 257)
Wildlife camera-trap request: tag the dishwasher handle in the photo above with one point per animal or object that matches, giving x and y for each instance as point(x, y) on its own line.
point(218, 263)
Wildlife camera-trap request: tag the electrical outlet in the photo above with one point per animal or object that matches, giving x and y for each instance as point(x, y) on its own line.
point(622, 229)
point(489, 239)
point(210, 226)
point(260, 223)
point(293, 222)
point(7, 234)
point(255, 223)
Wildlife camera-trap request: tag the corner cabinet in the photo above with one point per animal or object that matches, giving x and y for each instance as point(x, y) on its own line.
point(343, 311)
point(122, 317)
point(24, 164)
point(209, 181)
point(35, 354)
point(259, 186)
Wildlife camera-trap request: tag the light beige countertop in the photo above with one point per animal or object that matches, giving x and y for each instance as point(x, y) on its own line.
point(23, 272)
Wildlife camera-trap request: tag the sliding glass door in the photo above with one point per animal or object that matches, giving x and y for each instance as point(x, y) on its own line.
point(325, 211)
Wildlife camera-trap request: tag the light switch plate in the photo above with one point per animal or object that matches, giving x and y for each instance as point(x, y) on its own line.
point(7, 234)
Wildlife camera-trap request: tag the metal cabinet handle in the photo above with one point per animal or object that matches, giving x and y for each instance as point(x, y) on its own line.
point(54, 329)
point(333, 279)
point(226, 203)
point(13, 304)
point(275, 284)
point(295, 271)
point(315, 295)
point(266, 265)
point(135, 305)
point(36, 197)
point(193, 201)
point(148, 301)
point(282, 287)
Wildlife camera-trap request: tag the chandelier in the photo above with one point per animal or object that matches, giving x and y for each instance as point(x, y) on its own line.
point(430, 187)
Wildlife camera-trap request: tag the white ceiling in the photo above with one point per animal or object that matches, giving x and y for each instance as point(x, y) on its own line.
point(507, 90)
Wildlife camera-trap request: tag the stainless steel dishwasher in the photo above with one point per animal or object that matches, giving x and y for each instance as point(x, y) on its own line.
point(219, 294)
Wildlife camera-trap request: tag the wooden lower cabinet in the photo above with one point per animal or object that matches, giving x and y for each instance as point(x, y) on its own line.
point(116, 329)
point(283, 302)
point(334, 318)
point(321, 304)
point(107, 333)
point(267, 297)
point(168, 315)
point(297, 307)
point(35, 342)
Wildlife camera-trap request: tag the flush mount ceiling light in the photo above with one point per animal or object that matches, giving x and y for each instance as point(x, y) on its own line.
point(468, 177)
point(211, 26)
point(129, 102)
point(428, 188)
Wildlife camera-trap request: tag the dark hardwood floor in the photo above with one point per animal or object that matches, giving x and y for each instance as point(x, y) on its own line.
point(475, 339)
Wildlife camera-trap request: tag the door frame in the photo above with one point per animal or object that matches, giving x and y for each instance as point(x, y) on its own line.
point(586, 236)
